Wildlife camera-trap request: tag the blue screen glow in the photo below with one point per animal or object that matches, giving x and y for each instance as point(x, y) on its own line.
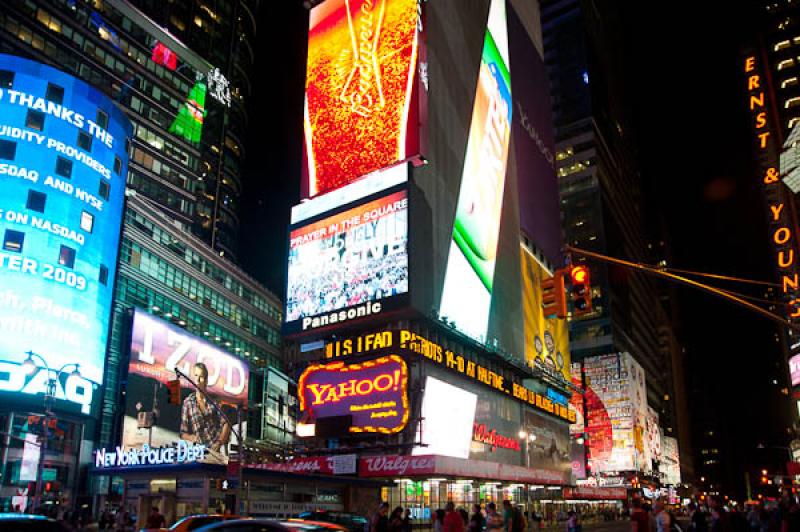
point(63, 162)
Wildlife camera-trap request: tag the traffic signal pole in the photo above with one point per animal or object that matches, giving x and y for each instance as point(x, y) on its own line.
point(685, 281)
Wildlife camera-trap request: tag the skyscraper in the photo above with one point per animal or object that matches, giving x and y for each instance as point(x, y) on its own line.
point(604, 203)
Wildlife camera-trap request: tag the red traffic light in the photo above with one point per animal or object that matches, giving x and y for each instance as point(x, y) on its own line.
point(579, 275)
point(174, 392)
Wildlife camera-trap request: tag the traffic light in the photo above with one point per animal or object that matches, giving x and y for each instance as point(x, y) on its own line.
point(581, 291)
point(554, 299)
point(174, 392)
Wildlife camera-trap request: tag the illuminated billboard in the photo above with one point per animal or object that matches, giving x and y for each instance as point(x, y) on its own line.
point(615, 395)
point(349, 265)
point(157, 349)
point(652, 440)
point(548, 445)
point(362, 105)
point(469, 278)
point(448, 417)
point(546, 340)
point(63, 163)
point(374, 393)
point(670, 468)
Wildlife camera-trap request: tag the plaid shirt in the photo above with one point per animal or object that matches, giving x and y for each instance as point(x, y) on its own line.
point(207, 426)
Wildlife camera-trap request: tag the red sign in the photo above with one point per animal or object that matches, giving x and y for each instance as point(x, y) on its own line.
point(312, 464)
point(793, 468)
point(164, 56)
point(490, 437)
point(585, 492)
point(389, 466)
point(375, 393)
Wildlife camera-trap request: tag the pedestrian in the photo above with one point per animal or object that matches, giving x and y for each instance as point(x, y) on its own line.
point(663, 520)
point(513, 521)
point(155, 519)
point(396, 520)
point(494, 521)
point(380, 519)
point(438, 520)
point(453, 522)
point(407, 520)
point(476, 521)
point(640, 521)
point(572, 522)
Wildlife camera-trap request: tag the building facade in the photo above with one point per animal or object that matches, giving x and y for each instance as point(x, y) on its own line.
point(179, 73)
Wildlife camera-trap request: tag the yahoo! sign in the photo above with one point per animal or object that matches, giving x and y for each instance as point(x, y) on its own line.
point(375, 393)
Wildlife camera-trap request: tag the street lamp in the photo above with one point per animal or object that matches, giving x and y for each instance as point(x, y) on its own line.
point(30, 366)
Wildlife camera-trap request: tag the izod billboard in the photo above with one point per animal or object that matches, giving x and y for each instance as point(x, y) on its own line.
point(374, 393)
point(159, 348)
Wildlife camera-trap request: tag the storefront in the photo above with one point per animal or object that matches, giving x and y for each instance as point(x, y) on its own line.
point(180, 490)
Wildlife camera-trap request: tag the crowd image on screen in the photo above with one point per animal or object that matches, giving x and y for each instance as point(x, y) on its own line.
point(329, 276)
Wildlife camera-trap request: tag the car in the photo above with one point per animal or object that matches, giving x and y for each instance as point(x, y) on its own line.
point(271, 525)
point(30, 523)
point(352, 522)
point(192, 522)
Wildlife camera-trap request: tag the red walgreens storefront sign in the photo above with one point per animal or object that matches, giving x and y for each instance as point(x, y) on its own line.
point(387, 466)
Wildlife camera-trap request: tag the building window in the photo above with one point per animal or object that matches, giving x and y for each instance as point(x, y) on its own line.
point(782, 45)
point(102, 119)
point(791, 82)
point(103, 275)
point(87, 221)
point(104, 190)
point(117, 165)
point(786, 63)
point(54, 94)
point(36, 201)
point(84, 141)
point(64, 167)
point(66, 256)
point(6, 79)
point(34, 120)
point(8, 150)
point(13, 240)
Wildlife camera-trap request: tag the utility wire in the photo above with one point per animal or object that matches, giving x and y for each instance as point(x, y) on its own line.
point(721, 277)
point(690, 282)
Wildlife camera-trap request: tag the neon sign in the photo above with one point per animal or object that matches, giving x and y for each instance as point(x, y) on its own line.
point(375, 393)
point(184, 452)
point(780, 215)
point(481, 433)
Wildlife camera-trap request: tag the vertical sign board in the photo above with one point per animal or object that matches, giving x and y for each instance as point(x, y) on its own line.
point(364, 103)
point(63, 163)
point(469, 277)
point(157, 349)
point(780, 204)
point(546, 339)
point(615, 398)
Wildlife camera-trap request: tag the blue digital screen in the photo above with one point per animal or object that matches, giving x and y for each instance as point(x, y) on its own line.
point(63, 162)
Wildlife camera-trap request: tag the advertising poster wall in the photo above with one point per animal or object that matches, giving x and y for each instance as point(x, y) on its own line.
point(469, 277)
point(546, 340)
point(362, 109)
point(63, 163)
point(534, 144)
point(671, 463)
point(614, 399)
point(652, 439)
point(157, 348)
point(345, 266)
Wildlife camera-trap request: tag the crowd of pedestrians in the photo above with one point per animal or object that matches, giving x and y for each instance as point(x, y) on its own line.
point(452, 519)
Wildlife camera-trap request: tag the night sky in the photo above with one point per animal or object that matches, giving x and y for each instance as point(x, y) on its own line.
point(694, 139)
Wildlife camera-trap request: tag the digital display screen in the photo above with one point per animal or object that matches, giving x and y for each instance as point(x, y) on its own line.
point(361, 105)
point(469, 278)
point(448, 417)
point(347, 265)
point(157, 348)
point(63, 163)
point(374, 393)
